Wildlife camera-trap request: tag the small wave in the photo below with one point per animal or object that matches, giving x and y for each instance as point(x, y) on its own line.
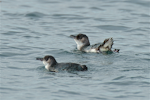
point(112, 27)
point(18, 68)
point(96, 8)
point(48, 1)
point(35, 15)
point(12, 54)
point(68, 16)
point(102, 20)
point(13, 14)
point(77, 7)
point(123, 83)
point(139, 2)
point(11, 33)
point(69, 92)
point(145, 23)
point(126, 10)
point(10, 89)
point(138, 77)
point(137, 29)
point(118, 78)
point(145, 15)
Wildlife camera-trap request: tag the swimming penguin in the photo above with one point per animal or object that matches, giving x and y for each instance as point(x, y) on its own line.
point(52, 65)
point(83, 44)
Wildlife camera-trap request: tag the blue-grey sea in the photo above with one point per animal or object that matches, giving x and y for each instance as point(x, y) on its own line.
point(35, 28)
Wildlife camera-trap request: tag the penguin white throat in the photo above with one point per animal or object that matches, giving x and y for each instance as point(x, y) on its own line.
point(81, 45)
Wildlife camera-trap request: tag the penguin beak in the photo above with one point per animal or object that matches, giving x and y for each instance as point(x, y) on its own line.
point(73, 36)
point(39, 59)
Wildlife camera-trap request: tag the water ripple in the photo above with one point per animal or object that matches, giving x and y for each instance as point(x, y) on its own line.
point(139, 2)
point(128, 83)
point(112, 27)
point(118, 78)
point(10, 89)
point(96, 8)
point(69, 17)
point(77, 7)
point(35, 15)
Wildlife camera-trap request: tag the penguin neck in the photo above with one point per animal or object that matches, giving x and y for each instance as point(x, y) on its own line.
point(51, 65)
point(81, 47)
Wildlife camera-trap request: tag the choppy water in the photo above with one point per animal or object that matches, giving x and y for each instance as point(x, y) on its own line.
point(35, 28)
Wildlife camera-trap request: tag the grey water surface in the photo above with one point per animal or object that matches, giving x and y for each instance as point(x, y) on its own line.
point(35, 28)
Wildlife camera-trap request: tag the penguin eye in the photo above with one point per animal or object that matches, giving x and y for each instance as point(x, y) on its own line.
point(46, 58)
point(79, 37)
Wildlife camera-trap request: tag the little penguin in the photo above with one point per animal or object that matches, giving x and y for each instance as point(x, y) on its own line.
point(52, 65)
point(83, 44)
